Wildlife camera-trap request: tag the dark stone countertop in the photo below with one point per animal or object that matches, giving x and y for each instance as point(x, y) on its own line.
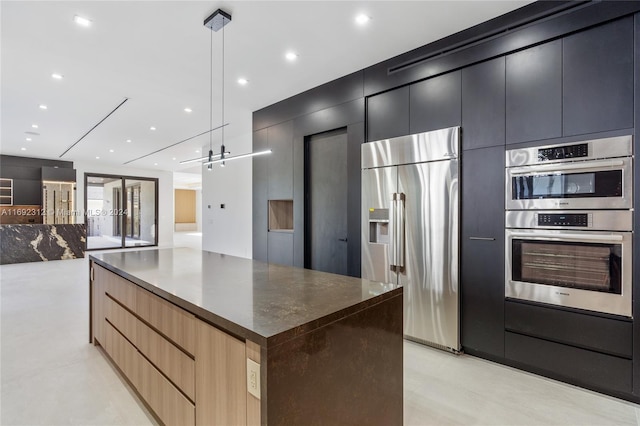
point(268, 304)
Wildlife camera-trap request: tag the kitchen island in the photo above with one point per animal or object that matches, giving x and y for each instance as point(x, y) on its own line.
point(206, 338)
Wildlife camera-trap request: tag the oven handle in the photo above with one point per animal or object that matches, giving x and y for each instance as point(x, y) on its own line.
point(557, 168)
point(596, 237)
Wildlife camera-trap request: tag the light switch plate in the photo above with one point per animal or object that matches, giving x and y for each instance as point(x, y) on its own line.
point(253, 378)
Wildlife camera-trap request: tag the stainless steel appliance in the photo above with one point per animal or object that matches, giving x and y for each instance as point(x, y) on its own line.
point(410, 229)
point(575, 258)
point(595, 174)
point(578, 259)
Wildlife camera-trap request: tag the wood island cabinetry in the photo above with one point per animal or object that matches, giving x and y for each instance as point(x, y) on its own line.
point(207, 349)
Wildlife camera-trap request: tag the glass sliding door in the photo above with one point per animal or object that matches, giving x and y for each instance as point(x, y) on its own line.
point(121, 211)
point(141, 212)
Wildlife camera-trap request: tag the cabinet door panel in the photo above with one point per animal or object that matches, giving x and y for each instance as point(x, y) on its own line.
point(482, 254)
point(435, 103)
point(280, 166)
point(260, 188)
point(534, 93)
point(388, 114)
point(483, 104)
point(598, 79)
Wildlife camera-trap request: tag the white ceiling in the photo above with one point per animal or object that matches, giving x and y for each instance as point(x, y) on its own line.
point(157, 54)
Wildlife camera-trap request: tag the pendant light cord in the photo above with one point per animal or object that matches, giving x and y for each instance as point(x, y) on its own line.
point(223, 82)
point(211, 93)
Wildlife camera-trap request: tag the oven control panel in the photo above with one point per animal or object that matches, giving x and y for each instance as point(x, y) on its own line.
point(565, 219)
point(562, 152)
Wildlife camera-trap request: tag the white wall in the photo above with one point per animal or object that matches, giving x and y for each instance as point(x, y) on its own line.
point(165, 193)
point(229, 230)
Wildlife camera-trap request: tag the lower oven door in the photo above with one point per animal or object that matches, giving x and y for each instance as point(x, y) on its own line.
point(583, 269)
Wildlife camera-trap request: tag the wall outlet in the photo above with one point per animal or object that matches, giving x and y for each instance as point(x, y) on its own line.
point(253, 378)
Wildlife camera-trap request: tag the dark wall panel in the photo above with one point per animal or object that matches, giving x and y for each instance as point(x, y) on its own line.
point(27, 192)
point(442, 57)
point(280, 139)
point(260, 185)
point(388, 114)
point(435, 103)
point(280, 248)
point(328, 95)
point(483, 104)
point(534, 93)
point(598, 78)
point(636, 235)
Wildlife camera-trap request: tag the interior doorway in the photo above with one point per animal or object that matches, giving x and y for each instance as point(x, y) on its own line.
point(326, 196)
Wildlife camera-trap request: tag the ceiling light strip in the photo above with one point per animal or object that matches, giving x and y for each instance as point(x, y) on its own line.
point(177, 143)
point(235, 157)
point(91, 129)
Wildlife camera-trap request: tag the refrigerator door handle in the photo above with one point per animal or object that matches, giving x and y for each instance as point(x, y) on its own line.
point(393, 220)
point(400, 219)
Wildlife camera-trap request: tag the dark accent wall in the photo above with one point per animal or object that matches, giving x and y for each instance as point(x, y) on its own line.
point(27, 176)
point(550, 72)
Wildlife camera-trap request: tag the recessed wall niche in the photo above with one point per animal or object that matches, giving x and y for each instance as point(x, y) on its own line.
point(281, 215)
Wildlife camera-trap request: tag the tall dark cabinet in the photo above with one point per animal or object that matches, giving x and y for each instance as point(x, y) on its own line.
point(482, 251)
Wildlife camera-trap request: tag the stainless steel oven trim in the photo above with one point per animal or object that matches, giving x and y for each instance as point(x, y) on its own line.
point(599, 220)
point(574, 298)
point(623, 202)
point(619, 146)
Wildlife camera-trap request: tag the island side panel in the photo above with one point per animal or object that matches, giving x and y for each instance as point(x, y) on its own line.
point(347, 372)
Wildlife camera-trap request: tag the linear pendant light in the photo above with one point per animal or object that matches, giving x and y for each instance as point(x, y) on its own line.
point(215, 22)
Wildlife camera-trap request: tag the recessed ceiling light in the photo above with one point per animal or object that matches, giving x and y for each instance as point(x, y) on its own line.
point(188, 110)
point(56, 76)
point(291, 56)
point(155, 164)
point(242, 81)
point(81, 21)
point(362, 19)
point(34, 126)
point(110, 150)
point(128, 140)
point(97, 158)
point(174, 158)
point(42, 106)
point(23, 149)
point(152, 128)
point(28, 139)
point(197, 151)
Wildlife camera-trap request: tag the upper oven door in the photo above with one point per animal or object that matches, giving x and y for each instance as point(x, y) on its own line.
point(579, 269)
point(594, 184)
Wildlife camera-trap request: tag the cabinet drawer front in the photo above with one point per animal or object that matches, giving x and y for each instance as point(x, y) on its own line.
point(587, 331)
point(165, 400)
point(121, 319)
point(120, 289)
point(581, 366)
point(174, 363)
point(173, 322)
point(123, 353)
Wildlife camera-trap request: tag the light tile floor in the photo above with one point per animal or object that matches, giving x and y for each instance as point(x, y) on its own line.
point(51, 375)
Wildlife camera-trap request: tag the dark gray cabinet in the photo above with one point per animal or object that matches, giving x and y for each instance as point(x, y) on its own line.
point(598, 79)
point(483, 104)
point(482, 251)
point(260, 185)
point(280, 161)
point(534, 93)
point(435, 103)
point(388, 114)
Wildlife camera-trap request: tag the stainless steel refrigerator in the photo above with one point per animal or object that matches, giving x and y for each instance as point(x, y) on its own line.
point(410, 229)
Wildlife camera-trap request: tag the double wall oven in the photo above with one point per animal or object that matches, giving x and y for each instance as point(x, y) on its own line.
point(569, 223)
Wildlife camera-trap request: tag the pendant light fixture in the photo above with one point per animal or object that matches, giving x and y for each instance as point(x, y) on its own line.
point(215, 22)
